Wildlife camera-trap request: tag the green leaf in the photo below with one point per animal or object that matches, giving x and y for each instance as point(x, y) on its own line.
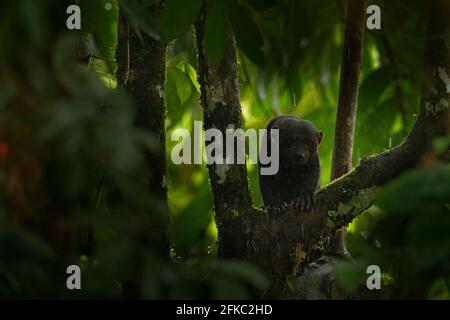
point(178, 91)
point(415, 222)
point(216, 31)
point(177, 17)
point(441, 144)
point(183, 84)
point(140, 18)
point(260, 5)
point(106, 28)
point(417, 189)
point(171, 95)
point(101, 21)
point(247, 34)
point(374, 85)
point(192, 75)
point(373, 136)
point(350, 275)
point(196, 215)
point(100, 32)
point(376, 101)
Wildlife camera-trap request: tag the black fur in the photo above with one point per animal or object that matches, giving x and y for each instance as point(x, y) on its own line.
point(299, 167)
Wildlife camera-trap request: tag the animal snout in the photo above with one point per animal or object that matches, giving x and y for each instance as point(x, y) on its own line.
point(301, 156)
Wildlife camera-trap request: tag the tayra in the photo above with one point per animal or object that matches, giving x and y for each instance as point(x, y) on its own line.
point(298, 175)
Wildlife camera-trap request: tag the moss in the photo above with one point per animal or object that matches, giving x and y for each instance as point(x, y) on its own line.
point(332, 213)
point(444, 77)
point(221, 172)
point(159, 91)
point(298, 256)
point(252, 246)
point(361, 200)
point(346, 211)
point(443, 104)
point(290, 280)
point(447, 38)
point(365, 197)
point(319, 245)
point(431, 108)
point(330, 223)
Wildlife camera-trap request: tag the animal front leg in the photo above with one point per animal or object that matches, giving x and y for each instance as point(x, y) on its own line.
point(306, 201)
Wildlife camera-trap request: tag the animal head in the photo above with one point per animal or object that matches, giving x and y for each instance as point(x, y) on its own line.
point(298, 140)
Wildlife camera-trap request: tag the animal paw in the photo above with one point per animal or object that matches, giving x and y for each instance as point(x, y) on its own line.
point(305, 202)
point(276, 209)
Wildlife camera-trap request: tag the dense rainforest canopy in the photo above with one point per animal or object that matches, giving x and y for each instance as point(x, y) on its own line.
point(88, 118)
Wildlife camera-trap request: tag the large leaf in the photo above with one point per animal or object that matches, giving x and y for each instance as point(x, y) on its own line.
point(373, 132)
point(416, 221)
point(373, 86)
point(216, 31)
point(247, 33)
point(192, 75)
point(183, 84)
point(100, 20)
point(178, 16)
point(422, 188)
point(377, 111)
point(171, 95)
point(196, 215)
point(99, 25)
point(260, 5)
point(178, 91)
point(140, 18)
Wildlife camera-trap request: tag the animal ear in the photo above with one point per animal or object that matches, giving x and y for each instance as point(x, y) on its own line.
point(274, 127)
point(319, 136)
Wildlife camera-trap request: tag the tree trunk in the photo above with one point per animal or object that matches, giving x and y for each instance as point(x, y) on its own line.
point(222, 110)
point(347, 103)
point(141, 72)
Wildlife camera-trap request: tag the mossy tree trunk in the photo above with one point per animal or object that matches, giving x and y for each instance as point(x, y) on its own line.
point(222, 110)
point(141, 72)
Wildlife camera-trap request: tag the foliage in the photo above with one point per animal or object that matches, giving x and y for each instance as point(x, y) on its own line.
point(408, 236)
point(71, 169)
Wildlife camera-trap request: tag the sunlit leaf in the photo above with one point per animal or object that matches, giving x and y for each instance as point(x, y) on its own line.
point(261, 4)
point(247, 34)
point(178, 16)
point(373, 86)
point(192, 75)
point(216, 31)
point(140, 18)
point(178, 90)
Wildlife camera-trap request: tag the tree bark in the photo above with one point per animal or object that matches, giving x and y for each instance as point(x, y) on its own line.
point(280, 244)
point(347, 102)
point(141, 72)
point(222, 110)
